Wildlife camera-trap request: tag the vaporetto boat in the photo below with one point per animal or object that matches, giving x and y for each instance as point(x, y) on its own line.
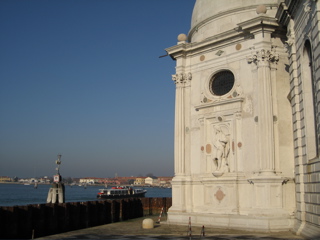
point(121, 192)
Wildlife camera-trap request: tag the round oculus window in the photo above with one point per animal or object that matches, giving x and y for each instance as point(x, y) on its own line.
point(222, 83)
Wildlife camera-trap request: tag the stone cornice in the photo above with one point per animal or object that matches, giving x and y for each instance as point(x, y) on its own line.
point(293, 6)
point(257, 23)
point(218, 103)
point(288, 9)
point(260, 178)
point(177, 50)
point(225, 178)
point(263, 23)
point(245, 30)
point(282, 14)
point(218, 41)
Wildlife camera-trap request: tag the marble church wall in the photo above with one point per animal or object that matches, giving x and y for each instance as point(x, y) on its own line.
point(246, 116)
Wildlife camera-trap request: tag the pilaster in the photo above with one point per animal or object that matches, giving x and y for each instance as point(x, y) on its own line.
point(182, 81)
point(263, 58)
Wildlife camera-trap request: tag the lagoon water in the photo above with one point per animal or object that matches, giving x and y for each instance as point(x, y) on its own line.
point(19, 194)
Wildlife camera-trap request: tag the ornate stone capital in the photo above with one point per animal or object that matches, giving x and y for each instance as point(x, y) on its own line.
point(181, 78)
point(264, 56)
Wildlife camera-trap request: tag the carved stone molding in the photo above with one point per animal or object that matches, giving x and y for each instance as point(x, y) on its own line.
point(238, 115)
point(307, 6)
point(288, 44)
point(201, 121)
point(248, 105)
point(291, 38)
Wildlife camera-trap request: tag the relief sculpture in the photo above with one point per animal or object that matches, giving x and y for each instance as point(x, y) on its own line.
point(221, 149)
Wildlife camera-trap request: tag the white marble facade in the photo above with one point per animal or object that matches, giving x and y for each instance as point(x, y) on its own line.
point(234, 157)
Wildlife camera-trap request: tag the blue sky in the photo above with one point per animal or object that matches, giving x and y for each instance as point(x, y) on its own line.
point(83, 78)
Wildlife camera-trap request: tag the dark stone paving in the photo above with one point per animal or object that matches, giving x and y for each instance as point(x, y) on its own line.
point(132, 229)
point(124, 237)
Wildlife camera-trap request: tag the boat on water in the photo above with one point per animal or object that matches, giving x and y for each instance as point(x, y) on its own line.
point(121, 192)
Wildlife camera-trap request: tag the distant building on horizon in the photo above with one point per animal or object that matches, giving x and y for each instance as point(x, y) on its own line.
point(153, 181)
point(139, 181)
point(5, 179)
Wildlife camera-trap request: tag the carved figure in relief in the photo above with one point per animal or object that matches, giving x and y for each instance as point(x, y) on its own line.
point(221, 149)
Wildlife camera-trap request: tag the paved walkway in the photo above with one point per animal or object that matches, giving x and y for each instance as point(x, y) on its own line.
point(132, 229)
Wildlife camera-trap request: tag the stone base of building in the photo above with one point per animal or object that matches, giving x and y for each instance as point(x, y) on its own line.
point(307, 230)
point(236, 222)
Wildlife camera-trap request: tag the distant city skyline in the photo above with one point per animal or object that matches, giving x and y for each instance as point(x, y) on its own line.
point(110, 177)
point(84, 79)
